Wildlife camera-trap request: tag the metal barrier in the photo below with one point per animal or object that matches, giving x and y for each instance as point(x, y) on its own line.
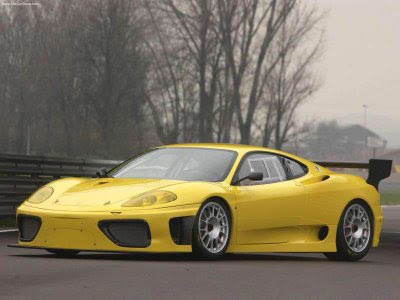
point(343, 165)
point(20, 175)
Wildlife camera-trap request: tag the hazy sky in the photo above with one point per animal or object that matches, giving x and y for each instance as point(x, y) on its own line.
point(360, 65)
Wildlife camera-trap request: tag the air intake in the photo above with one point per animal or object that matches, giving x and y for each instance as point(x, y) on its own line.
point(28, 227)
point(323, 233)
point(181, 230)
point(127, 233)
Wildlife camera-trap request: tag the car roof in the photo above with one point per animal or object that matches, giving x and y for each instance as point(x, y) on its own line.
point(236, 147)
point(243, 149)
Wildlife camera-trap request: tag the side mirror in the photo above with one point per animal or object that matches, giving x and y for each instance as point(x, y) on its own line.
point(253, 176)
point(102, 173)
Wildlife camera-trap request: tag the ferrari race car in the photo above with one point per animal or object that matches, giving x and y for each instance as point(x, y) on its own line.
point(210, 199)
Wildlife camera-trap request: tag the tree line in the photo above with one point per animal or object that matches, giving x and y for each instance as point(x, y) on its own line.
point(108, 78)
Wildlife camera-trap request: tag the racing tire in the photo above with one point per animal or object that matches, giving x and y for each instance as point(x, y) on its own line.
point(354, 233)
point(211, 230)
point(63, 253)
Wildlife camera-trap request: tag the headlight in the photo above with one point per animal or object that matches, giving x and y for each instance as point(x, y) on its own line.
point(41, 195)
point(150, 198)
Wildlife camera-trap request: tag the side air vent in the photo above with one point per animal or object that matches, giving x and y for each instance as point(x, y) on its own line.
point(28, 227)
point(323, 233)
point(127, 233)
point(181, 230)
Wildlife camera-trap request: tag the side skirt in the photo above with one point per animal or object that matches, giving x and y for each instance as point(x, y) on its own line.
point(304, 244)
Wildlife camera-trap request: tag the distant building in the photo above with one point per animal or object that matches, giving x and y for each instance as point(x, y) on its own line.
point(330, 141)
point(363, 141)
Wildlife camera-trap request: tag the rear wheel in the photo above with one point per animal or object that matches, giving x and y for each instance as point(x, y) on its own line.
point(211, 230)
point(63, 253)
point(354, 233)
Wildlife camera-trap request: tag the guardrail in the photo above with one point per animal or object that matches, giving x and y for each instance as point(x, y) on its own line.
point(21, 175)
point(343, 165)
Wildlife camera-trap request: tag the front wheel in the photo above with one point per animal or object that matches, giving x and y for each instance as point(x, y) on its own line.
point(354, 233)
point(211, 229)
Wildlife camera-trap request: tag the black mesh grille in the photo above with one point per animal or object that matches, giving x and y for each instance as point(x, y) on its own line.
point(127, 233)
point(28, 227)
point(181, 230)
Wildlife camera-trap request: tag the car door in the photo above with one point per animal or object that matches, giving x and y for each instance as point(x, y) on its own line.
point(269, 211)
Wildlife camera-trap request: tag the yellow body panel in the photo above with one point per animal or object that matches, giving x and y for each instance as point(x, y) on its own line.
point(278, 217)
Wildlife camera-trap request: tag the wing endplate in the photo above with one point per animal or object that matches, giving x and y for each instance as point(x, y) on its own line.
point(378, 170)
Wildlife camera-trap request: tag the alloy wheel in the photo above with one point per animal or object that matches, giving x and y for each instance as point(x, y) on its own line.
point(213, 227)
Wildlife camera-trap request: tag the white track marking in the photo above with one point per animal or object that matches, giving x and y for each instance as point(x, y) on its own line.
point(8, 230)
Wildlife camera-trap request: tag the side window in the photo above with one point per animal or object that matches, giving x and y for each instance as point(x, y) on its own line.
point(295, 168)
point(257, 165)
point(268, 164)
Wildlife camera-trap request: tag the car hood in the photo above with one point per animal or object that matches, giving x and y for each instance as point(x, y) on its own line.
point(100, 194)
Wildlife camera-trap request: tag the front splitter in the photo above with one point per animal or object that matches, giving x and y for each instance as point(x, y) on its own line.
point(83, 250)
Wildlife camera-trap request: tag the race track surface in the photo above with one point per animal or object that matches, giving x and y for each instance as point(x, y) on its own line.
point(34, 274)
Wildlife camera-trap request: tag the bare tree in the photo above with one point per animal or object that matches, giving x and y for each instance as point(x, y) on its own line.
point(292, 81)
point(72, 66)
point(248, 29)
point(5, 67)
point(224, 111)
point(194, 24)
point(64, 67)
point(111, 77)
point(171, 86)
point(112, 66)
point(21, 66)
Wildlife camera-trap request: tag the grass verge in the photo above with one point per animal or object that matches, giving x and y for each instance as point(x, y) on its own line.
point(390, 198)
point(7, 222)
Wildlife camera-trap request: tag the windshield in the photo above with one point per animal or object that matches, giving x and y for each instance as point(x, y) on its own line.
point(188, 164)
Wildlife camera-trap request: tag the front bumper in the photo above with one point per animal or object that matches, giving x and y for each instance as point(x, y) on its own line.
point(81, 231)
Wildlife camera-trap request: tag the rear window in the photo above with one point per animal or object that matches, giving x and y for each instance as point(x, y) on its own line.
point(296, 169)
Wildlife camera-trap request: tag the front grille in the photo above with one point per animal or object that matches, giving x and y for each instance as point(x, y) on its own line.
point(127, 233)
point(28, 227)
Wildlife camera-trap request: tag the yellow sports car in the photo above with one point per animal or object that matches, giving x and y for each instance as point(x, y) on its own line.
point(210, 199)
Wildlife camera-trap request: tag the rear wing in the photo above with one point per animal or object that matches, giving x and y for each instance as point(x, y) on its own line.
point(378, 169)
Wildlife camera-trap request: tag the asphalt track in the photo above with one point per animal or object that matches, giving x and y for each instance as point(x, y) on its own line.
point(34, 274)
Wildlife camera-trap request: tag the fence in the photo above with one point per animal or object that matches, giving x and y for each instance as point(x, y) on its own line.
point(20, 175)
